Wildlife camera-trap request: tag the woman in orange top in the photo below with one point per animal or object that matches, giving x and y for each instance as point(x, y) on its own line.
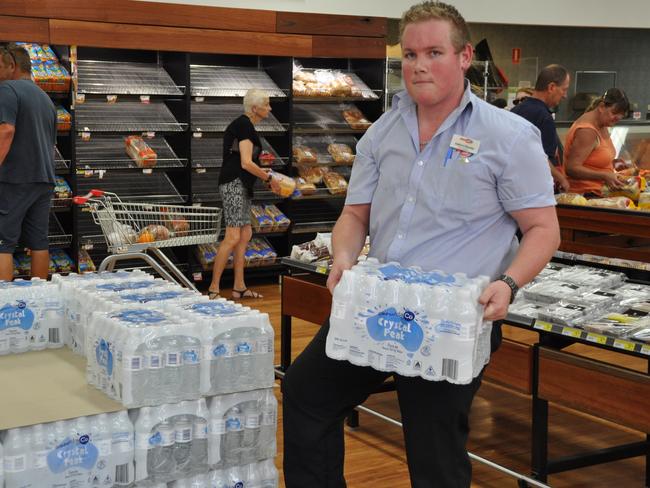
point(589, 152)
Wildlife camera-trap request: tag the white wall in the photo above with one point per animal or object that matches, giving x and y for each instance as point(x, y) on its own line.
point(596, 13)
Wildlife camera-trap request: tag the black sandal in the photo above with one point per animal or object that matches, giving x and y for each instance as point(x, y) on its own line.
point(246, 293)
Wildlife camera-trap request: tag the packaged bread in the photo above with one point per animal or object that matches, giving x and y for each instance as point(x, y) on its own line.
point(612, 202)
point(570, 199)
point(262, 222)
point(644, 202)
point(280, 221)
point(313, 175)
point(178, 225)
point(335, 183)
point(304, 187)
point(304, 154)
point(631, 189)
point(299, 88)
point(140, 152)
point(287, 185)
point(304, 76)
point(355, 119)
point(266, 158)
point(341, 153)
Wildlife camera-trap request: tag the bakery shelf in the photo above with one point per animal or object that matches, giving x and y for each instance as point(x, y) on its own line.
point(226, 81)
point(56, 235)
point(60, 164)
point(96, 116)
point(207, 152)
point(213, 117)
point(108, 152)
point(133, 187)
point(124, 78)
point(367, 94)
point(320, 144)
point(321, 194)
point(322, 119)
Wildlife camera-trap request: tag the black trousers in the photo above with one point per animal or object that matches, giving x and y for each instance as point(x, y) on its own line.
point(319, 392)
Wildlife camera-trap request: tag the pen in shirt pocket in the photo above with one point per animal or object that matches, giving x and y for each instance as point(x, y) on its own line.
point(450, 153)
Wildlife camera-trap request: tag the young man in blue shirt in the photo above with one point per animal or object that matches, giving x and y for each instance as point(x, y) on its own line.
point(424, 204)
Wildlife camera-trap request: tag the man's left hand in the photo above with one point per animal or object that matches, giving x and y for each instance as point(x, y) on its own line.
point(495, 299)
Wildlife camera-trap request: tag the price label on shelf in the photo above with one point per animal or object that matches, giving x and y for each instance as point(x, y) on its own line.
point(197, 276)
point(540, 324)
point(322, 269)
point(197, 134)
point(80, 98)
point(200, 171)
point(597, 338)
point(149, 135)
point(645, 350)
point(145, 98)
point(621, 344)
point(147, 171)
point(111, 98)
point(85, 135)
point(87, 247)
point(571, 332)
point(100, 173)
point(199, 99)
point(88, 173)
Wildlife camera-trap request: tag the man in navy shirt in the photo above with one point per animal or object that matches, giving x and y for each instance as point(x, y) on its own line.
point(550, 88)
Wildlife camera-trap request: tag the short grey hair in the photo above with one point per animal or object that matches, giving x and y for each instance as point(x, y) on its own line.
point(255, 98)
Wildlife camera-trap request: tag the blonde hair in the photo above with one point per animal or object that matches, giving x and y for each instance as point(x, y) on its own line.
point(254, 98)
point(438, 11)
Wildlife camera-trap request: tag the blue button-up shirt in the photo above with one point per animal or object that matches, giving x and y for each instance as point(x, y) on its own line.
point(449, 213)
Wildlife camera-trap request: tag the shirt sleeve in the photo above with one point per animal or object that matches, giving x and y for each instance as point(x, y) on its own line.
point(549, 139)
point(526, 181)
point(365, 173)
point(8, 105)
point(245, 130)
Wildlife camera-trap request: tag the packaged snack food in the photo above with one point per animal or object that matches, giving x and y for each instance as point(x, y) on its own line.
point(355, 119)
point(341, 153)
point(85, 264)
point(62, 190)
point(140, 152)
point(304, 187)
point(633, 186)
point(304, 155)
point(287, 185)
point(62, 261)
point(206, 253)
point(644, 201)
point(63, 119)
point(611, 202)
point(335, 183)
point(570, 199)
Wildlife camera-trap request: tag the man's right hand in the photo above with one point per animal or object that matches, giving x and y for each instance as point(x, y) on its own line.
point(336, 272)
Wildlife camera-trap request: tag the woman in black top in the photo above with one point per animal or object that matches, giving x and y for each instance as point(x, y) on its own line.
point(241, 150)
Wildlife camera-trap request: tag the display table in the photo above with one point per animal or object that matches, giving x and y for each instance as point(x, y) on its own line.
point(51, 386)
point(540, 369)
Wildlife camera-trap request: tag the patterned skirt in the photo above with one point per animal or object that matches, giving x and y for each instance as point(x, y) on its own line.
point(236, 204)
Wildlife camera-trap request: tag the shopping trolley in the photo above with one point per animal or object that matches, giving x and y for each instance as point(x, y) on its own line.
point(135, 230)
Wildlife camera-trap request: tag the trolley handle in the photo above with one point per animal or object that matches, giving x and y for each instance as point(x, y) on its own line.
point(87, 196)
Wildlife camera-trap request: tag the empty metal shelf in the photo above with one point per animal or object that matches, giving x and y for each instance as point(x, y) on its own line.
point(324, 118)
point(133, 187)
point(96, 116)
point(60, 163)
point(205, 186)
point(120, 78)
point(213, 117)
point(56, 234)
point(108, 152)
point(207, 152)
point(224, 81)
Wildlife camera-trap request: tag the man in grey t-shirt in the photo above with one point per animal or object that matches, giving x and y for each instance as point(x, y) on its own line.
point(27, 138)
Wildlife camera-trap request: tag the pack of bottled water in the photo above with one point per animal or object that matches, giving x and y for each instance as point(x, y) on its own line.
point(237, 344)
point(31, 316)
point(171, 441)
point(86, 451)
point(141, 356)
point(242, 428)
point(411, 322)
point(84, 293)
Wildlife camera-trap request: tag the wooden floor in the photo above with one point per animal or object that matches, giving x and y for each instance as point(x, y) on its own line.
point(500, 430)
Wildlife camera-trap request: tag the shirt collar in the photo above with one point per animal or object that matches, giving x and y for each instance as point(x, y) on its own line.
point(533, 100)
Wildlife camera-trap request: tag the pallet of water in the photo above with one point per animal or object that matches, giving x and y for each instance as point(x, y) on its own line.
point(82, 452)
point(31, 316)
point(410, 322)
point(146, 354)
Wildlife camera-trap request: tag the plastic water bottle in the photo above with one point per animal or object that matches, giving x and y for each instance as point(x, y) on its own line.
point(236, 477)
point(16, 458)
point(122, 448)
point(39, 453)
point(172, 372)
point(154, 358)
point(268, 426)
point(218, 478)
point(183, 446)
point(234, 435)
point(264, 374)
point(191, 368)
point(246, 338)
point(252, 475)
point(217, 432)
point(160, 461)
point(102, 437)
point(268, 474)
point(251, 436)
point(199, 454)
point(222, 367)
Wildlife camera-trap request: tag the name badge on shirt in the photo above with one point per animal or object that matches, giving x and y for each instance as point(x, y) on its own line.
point(464, 144)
